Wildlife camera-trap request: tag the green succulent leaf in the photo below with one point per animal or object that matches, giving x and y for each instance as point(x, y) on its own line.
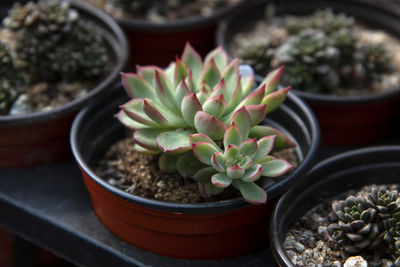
point(281, 140)
point(215, 106)
point(233, 136)
point(221, 180)
point(174, 141)
point(235, 172)
point(190, 106)
point(204, 175)
point(209, 190)
point(154, 113)
point(187, 164)
point(231, 76)
point(265, 146)
point(128, 122)
point(272, 80)
point(209, 125)
point(210, 75)
point(181, 91)
point(251, 192)
point(167, 162)
point(243, 121)
point(145, 151)
point(254, 98)
point(257, 113)
point(274, 100)
point(134, 109)
point(249, 147)
point(204, 151)
point(165, 92)
point(252, 173)
point(181, 71)
point(137, 86)
point(192, 60)
point(147, 138)
point(219, 56)
point(276, 167)
point(231, 151)
point(218, 161)
point(247, 84)
point(148, 72)
point(196, 138)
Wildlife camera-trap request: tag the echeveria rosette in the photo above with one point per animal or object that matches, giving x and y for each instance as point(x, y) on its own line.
point(192, 96)
point(240, 162)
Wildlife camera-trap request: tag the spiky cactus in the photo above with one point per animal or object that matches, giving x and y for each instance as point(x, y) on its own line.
point(54, 43)
point(191, 96)
point(240, 162)
point(368, 222)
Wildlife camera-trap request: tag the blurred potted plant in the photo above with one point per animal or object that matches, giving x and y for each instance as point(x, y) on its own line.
point(197, 117)
point(54, 59)
point(345, 210)
point(158, 30)
point(338, 60)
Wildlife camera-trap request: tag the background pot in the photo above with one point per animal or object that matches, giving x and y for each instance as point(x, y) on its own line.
point(332, 177)
point(158, 43)
point(344, 121)
point(195, 231)
point(42, 137)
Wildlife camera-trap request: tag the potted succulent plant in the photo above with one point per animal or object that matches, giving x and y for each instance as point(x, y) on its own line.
point(342, 62)
point(55, 58)
point(202, 121)
point(158, 30)
point(345, 210)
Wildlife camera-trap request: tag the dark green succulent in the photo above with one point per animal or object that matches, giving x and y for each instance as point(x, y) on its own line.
point(53, 43)
point(356, 228)
point(311, 55)
point(368, 222)
point(375, 59)
point(8, 79)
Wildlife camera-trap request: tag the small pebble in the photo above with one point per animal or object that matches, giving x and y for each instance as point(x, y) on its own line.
point(21, 106)
point(356, 261)
point(299, 247)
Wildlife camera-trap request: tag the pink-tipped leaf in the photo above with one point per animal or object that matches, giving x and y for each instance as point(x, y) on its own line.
point(275, 167)
point(204, 175)
point(230, 152)
point(181, 91)
point(265, 146)
point(128, 122)
point(219, 56)
point(165, 92)
point(251, 192)
point(134, 109)
point(215, 106)
point(281, 140)
point(136, 86)
point(192, 60)
point(221, 180)
point(275, 99)
point(189, 107)
point(209, 125)
point(249, 147)
point(199, 137)
point(257, 113)
point(181, 71)
point(204, 151)
point(233, 136)
point(153, 113)
point(175, 142)
point(272, 79)
point(145, 151)
point(242, 119)
point(235, 172)
point(254, 98)
point(147, 72)
point(252, 173)
point(210, 75)
point(218, 161)
point(147, 138)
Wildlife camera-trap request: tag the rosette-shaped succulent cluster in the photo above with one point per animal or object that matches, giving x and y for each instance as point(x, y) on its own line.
point(240, 162)
point(357, 227)
point(368, 221)
point(313, 54)
point(375, 59)
point(192, 96)
point(53, 43)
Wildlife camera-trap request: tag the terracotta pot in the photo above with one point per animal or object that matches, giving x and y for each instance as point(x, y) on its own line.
point(159, 43)
point(344, 121)
point(195, 231)
point(330, 178)
point(42, 137)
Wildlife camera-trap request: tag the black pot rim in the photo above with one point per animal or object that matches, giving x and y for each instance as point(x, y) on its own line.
point(274, 239)
point(197, 208)
point(178, 24)
point(388, 7)
point(121, 54)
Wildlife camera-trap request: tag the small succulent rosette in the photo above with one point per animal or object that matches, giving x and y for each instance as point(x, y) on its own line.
point(195, 97)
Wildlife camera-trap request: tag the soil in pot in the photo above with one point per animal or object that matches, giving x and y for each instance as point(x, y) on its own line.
point(322, 53)
point(309, 242)
point(50, 56)
point(139, 174)
point(156, 11)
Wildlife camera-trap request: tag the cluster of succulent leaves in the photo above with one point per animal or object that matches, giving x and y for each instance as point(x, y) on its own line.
point(50, 43)
point(368, 222)
point(198, 116)
point(321, 52)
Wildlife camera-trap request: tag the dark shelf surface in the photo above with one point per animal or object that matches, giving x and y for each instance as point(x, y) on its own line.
point(49, 206)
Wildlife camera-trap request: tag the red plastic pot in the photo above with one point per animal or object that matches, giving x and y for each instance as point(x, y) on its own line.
point(159, 43)
point(344, 121)
point(43, 137)
point(212, 230)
